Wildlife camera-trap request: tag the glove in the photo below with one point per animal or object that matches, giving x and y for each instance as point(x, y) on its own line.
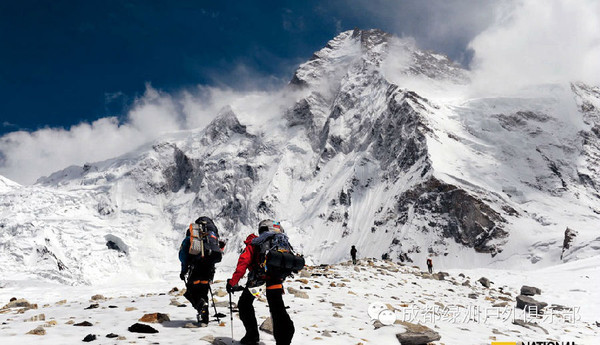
point(182, 275)
point(229, 287)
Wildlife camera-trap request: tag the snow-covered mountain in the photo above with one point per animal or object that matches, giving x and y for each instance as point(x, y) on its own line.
point(383, 147)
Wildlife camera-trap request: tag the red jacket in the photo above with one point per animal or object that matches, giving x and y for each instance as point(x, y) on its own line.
point(245, 261)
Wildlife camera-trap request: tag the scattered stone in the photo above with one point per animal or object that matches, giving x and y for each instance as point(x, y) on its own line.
point(89, 337)
point(40, 317)
point(337, 305)
point(98, 298)
point(208, 338)
point(337, 315)
point(466, 283)
point(529, 325)
point(39, 330)
point(51, 323)
point(530, 290)
point(84, 324)
point(326, 333)
point(112, 306)
point(190, 325)
point(267, 326)
point(473, 295)
point(155, 318)
point(297, 293)
point(357, 269)
point(416, 334)
point(141, 328)
point(121, 338)
point(304, 274)
point(92, 306)
point(12, 299)
point(70, 322)
point(112, 335)
point(484, 281)
point(461, 275)
point(527, 303)
point(501, 304)
point(175, 302)
point(130, 308)
point(221, 293)
point(61, 302)
point(19, 303)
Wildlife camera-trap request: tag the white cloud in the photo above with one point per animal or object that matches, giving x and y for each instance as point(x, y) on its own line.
point(26, 156)
point(536, 42)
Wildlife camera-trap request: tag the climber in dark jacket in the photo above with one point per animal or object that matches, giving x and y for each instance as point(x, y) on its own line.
point(201, 271)
point(283, 327)
point(353, 254)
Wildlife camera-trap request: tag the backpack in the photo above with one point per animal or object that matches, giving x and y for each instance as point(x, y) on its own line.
point(276, 258)
point(204, 241)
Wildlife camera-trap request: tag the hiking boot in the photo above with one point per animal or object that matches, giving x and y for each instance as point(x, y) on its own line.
point(249, 340)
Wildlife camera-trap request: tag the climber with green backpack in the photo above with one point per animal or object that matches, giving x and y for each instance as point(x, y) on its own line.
point(270, 259)
point(199, 252)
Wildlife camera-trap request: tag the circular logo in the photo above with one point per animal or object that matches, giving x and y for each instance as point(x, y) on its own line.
point(387, 317)
point(375, 309)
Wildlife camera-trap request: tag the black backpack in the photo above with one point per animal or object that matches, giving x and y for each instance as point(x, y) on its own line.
point(204, 241)
point(276, 257)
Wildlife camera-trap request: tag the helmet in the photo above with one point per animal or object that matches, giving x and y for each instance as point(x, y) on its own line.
point(269, 225)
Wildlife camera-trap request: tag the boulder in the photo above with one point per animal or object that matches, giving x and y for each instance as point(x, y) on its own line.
point(484, 281)
point(527, 303)
point(98, 298)
point(93, 306)
point(267, 326)
point(297, 293)
point(112, 335)
point(39, 330)
point(19, 303)
point(141, 328)
point(40, 317)
point(89, 337)
point(155, 318)
point(84, 324)
point(530, 290)
point(416, 334)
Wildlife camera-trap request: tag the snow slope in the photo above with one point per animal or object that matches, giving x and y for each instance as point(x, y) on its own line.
point(334, 309)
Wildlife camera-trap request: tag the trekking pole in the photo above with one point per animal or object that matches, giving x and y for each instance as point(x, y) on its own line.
point(231, 317)
point(213, 302)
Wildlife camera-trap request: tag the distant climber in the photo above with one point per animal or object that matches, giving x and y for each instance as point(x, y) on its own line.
point(430, 265)
point(270, 259)
point(199, 252)
point(353, 254)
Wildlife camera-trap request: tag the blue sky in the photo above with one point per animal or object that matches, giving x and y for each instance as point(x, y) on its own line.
point(64, 62)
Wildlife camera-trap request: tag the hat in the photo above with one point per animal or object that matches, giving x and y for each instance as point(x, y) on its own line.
point(269, 225)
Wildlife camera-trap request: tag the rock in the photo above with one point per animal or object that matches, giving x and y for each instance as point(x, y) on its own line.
point(19, 303)
point(84, 324)
point(141, 328)
point(40, 317)
point(175, 302)
point(416, 334)
point(526, 303)
point(326, 333)
point(111, 335)
point(92, 306)
point(89, 337)
point(297, 293)
point(570, 235)
point(121, 338)
point(530, 290)
point(70, 322)
point(208, 338)
point(155, 318)
point(484, 281)
point(529, 325)
point(499, 305)
point(461, 275)
point(51, 323)
point(130, 308)
point(357, 269)
point(466, 283)
point(190, 325)
point(98, 298)
point(39, 330)
point(304, 274)
point(336, 314)
point(473, 295)
point(337, 305)
point(61, 302)
point(112, 306)
point(378, 324)
point(439, 275)
point(221, 293)
point(267, 326)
